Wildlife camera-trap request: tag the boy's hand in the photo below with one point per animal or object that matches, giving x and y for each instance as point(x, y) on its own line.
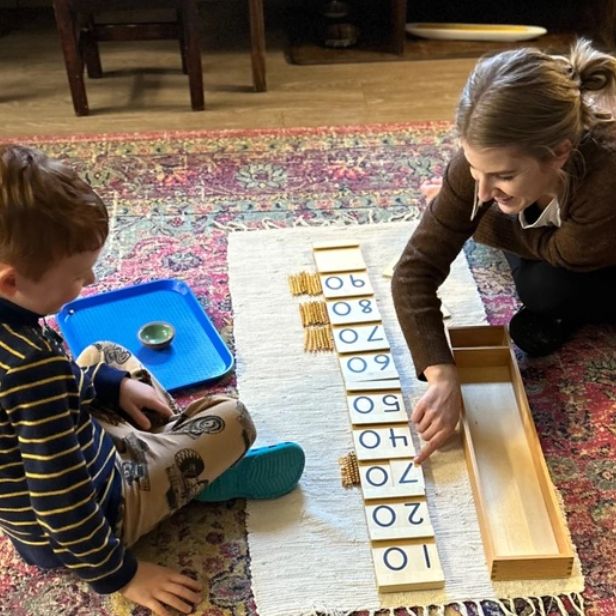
point(437, 413)
point(157, 587)
point(135, 396)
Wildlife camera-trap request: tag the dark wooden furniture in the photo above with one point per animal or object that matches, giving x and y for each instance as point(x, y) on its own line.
point(80, 35)
point(381, 25)
point(383, 37)
point(257, 43)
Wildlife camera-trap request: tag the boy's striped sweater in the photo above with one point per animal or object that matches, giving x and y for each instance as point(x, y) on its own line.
point(60, 484)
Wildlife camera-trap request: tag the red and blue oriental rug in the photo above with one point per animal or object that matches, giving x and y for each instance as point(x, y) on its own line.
point(176, 197)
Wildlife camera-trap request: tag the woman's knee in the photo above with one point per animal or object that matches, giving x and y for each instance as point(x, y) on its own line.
point(543, 289)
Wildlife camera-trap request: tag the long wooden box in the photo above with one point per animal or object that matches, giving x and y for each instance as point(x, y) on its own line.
point(523, 529)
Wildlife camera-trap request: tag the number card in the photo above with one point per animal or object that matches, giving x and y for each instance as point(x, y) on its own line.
point(408, 520)
point(387, 407)
point(358, 338)
point(343, 258)
point(407, 566)
point(368, 367)
point(391, 479)
point(382, 443)
point(348, 284)
point(355, 310)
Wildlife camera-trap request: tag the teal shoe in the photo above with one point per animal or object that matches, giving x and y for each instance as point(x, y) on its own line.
point(264, 472)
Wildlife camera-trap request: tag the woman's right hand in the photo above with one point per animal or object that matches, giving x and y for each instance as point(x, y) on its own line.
point(157, 588)
point(437, 412)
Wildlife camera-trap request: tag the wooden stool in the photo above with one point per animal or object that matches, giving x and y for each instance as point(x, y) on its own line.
point(80, 35)
point(257, 43)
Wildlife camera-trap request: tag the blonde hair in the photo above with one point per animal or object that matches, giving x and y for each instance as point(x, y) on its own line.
point(47, 212)
point(534, 101)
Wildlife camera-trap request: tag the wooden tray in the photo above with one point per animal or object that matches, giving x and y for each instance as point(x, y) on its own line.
point(523, 530)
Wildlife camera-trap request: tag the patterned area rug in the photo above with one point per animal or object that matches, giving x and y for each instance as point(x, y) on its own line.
point(176, 197)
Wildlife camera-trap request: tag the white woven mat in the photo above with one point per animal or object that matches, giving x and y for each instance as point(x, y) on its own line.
point(310, 550)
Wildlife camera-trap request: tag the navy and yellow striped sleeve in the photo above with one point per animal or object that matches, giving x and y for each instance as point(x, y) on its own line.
point(69, 465)
point(106, 380)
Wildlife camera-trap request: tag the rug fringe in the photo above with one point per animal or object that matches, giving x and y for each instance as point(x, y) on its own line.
point(540, 606)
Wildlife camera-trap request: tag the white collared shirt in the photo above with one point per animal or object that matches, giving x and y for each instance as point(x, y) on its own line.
point(549, 217)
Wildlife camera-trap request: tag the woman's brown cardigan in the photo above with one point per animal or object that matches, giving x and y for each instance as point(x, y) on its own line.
point(585, 241)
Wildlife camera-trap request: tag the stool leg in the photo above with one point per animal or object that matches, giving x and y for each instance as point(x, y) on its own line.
point(190, 34)
point(89, 49)
point(66, 23)
point(398, 25)
point(182, 43)
point(257, 44)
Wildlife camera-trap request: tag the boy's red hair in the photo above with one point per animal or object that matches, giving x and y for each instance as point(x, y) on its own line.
point(46, 212)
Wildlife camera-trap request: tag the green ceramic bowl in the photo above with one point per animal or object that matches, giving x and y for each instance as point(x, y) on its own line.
point(156, 334)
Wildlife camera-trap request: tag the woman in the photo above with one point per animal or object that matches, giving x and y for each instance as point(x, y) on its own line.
point(536, 178)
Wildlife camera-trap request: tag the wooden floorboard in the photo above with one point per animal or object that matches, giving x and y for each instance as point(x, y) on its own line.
point(144, 89)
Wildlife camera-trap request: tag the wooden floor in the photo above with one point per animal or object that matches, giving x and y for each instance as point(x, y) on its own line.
point(144, 89)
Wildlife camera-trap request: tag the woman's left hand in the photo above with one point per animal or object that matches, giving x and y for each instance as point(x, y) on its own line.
point(431, 188)
point(136, 396)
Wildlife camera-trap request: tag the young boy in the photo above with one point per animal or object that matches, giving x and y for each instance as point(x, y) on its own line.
point(94, 454)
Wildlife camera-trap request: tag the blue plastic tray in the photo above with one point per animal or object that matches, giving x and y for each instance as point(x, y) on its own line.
point(197, 354)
